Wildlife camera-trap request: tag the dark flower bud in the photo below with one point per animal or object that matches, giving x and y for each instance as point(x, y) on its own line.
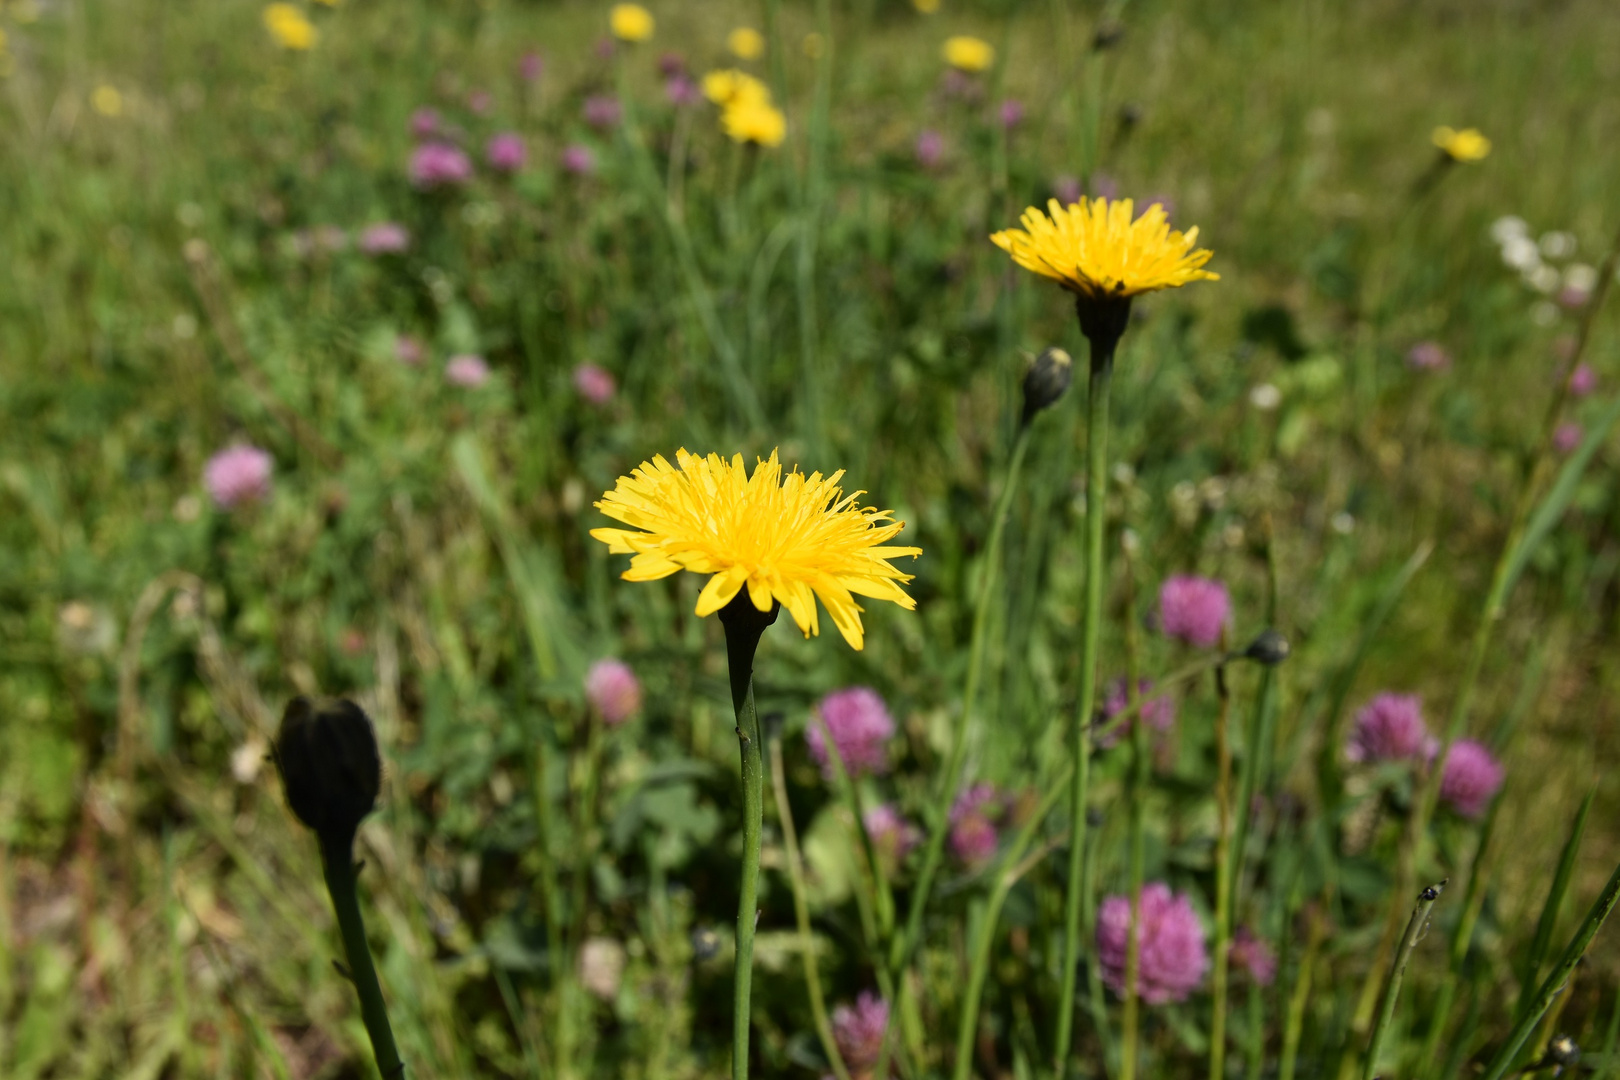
point(327, 755)
point(1107, 36)
point(1270, 648)
point(1047, 381)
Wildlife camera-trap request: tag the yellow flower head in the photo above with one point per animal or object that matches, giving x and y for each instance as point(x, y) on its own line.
point(630, 22)
point(1466, 146)
point(107, 101)
point(754, 120)
point(1095, 249)
point(731, 86)
point(287, 24)
point(787, 538)
point(746, 43)
point(927, 7)
point(969, 53)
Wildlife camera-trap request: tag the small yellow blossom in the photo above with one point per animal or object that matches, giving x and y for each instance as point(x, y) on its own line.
point(730, 86)
point(788, 539)
point(927, 7)
point(969, 53)
point(746, 43)
point(287, 24)
point(631, 22)
point(814, 45)
point(756, 121)
point(1466, 146)
point(1095, 249)
point(107, 101)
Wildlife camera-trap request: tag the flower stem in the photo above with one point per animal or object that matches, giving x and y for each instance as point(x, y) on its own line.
point(1415, 928)
point(1103, 345)
point(1223, 876)
point(337, 859)
point(744, 624)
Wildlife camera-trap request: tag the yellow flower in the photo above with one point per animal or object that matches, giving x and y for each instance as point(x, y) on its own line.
point(630, 22)
point(787, 538)
point(746, 43)
point(107, 101)
point(969, 53)
point(1095, 249)
point(731, 86)
point(927, 7)
point(754, 121)
point(289, 27)
point(1466, 146)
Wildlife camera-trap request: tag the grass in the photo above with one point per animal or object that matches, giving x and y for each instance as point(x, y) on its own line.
point(425, 549)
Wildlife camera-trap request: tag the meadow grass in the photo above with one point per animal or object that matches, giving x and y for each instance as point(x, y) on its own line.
point(548, 894)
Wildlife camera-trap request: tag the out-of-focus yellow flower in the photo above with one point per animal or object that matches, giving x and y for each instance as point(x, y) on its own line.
point(107, 101)
point(730, 86)
point(786, 539)
point(288, 25)
point(927, 7)
point(969, 53)
point(631, 22)
point(1466, 146)
point(1094, 249)
point(755, 121)
point(814, 45)
point(328, 3)
point(746, 43)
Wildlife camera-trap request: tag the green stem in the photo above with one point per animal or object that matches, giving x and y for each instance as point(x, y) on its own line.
point(1392, 990)
point(801, 915)
point(337, 859)
point(1223, 876)
point(1136, 799)
point(1102, 370)
point(1301, 996)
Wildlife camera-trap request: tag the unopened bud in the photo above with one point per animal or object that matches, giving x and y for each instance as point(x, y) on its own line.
point(330, 769)
point(1047, 381)
point(1270, 648)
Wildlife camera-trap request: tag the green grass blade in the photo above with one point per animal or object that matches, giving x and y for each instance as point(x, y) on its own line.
point(1555, 903)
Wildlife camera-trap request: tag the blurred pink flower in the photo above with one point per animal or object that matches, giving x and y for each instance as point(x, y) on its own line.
point(860, 726)
point(425, 123)
point(1583, 381)
point(1573, 297)
point(480, 101)
point(408, 350)
point(579, 160)
point(602, 111)
point(531, 67)
point(1171, 956)
point(384, 238)
point(671, 64)
point(506, 152)
point(1567, 436)
point(1194, 609)
point(1428, 356)
point(973, 832)
point(1012, 113)
point(681, 91)
point(892, 835)
point(1254, 956)
point(604, 48)
point(1390, 727)
point(238, 474)
point(466, 370)
point(1471, 778)
point(1159, 713)
point(858, 1031)
point(438, 164)
point(930, 148)
point(613, 691)
point(1066, 189)
point(595, 384)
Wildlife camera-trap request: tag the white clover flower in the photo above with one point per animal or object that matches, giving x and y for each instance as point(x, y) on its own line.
point(1580, 276)
point(1558, 245)
point(1543, 279)
point(1265, 397)
point(1509, 227)
point(1521, 253)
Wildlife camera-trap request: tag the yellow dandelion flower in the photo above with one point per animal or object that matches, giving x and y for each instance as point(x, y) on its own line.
point(107, 101)
point(287, 24)
point(746, 43)
point(927, 7)
point(754, 120)
point(630, 22)
point(1466, 146)
point(1095, 249)
point(789, 539)
point(730, 86)
point(969, 53)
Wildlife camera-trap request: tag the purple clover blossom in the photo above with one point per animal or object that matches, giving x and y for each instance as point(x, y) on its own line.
point(1390, 727)
point(384, 238)
point(1194, 609)
point(1066, 189)
point(1428, 356)
point(1471, 778)
point(425, 123)
point(602, 111)
point(1011, 113)
point(531, 67)
point(594, 383)
point(1172, 958)
point(480, 101)
point(681, 91)
point(466, 370)
point(408, 350)
point(858, 1031)
point(1160, 713)
point(860, 726)
point(930, 148)
point(1254, 956)
point(439, 164)
point(973, 832)
point(578, 160)
point(892, 835)
point(613, 691)
point(506, 152)
point(1583, 381)
point(1567, 436)
point(238, 474)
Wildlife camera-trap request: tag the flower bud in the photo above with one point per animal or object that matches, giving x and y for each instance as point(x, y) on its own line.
point(1563, 1051)
point(1047, 381)
point(1270, 648)
point(330, 768)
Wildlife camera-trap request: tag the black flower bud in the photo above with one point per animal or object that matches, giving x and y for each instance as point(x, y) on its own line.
point(330, 769)
point(1047, 381)
point(1270, 648)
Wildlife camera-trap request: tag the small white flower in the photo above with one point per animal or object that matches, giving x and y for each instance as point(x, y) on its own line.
point(1558, 245)
point(1521, 253)
point(1509, 227)
point(1544, 313)
point(1580, 276)
point(1544, 278)
point(1265, 397)
point(1343, 523)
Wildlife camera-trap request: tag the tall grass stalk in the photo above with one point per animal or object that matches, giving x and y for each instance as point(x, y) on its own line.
point(1223, 876)
point(1416, 927)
